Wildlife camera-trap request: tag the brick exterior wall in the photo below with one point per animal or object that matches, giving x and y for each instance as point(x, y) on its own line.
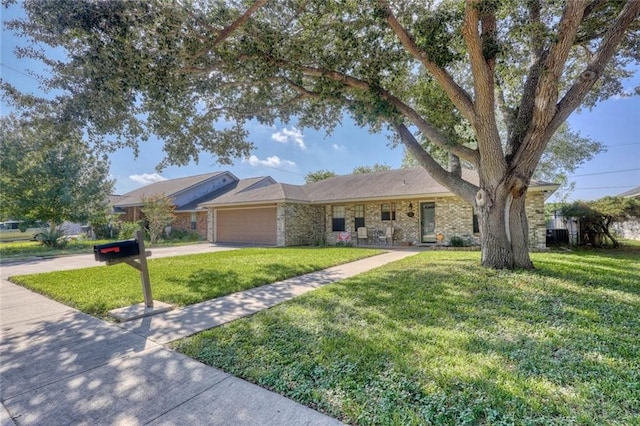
point(303, 224)
point(183, 221)
point(131, 214)
point(299, 224)
point(453, 217)
point(534, 206)
point(211, 225)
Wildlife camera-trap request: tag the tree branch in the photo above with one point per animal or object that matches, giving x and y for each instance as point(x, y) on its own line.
point(532, 143)
point(433, 134)
point(427, 129)
point(457, 94)
point(508, 113)
point(229, 29)
point(489, 144)
point(547, 90)
point(575, 95)
point(457, 185)
point(530, 151)
point(482, 73)
point(527, 101)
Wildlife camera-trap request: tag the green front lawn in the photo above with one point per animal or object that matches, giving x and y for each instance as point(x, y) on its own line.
point(437, 339)
point(184, 280)
point(19, 250)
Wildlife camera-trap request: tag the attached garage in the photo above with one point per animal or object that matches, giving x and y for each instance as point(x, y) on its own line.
point(251, 225)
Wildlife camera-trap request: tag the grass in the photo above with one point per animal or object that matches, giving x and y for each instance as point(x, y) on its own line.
point(20, 250)
point(184, 280)
point(437, 339)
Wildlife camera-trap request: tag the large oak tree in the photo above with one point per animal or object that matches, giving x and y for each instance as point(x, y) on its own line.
point(176, 69)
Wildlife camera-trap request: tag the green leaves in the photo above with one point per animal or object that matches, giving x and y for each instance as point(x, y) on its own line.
point(158, 214)
point(49, 176)
point(318, 175)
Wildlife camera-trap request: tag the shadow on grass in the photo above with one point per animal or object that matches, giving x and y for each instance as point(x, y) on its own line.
point(207, 284)
point(445, 341)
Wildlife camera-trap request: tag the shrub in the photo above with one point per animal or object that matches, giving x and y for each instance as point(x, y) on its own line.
point(104, 231)
point(128, 230)
point(457, 241)
point(52, 237)
point(183, 235)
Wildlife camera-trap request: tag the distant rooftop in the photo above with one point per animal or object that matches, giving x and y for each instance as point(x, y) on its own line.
point(635, 192)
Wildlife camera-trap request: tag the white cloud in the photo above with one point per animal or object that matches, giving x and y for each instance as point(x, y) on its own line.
point(273, 161)
point(292, 135)
point(147, 178)
point(340, 148)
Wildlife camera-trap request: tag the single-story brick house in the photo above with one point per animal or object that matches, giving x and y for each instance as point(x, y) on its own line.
point(408, 200)
point(186, 193)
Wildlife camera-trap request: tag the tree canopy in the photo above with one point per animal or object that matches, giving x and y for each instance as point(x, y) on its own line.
point(48, 177)
point(371, 169)
point(318, 175)
point(194, 73)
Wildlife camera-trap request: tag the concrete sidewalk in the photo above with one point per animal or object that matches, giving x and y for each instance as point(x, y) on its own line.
point(59, 366)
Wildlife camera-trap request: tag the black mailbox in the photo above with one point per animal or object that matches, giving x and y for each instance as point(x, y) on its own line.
point(117, 250)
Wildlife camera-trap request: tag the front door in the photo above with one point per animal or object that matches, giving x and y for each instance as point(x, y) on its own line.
point(428, 222)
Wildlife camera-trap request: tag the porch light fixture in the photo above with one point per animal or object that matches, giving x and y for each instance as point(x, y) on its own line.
point(410, 213)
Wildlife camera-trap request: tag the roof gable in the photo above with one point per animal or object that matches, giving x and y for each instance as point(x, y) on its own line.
point(170, 188)
point(252, 188)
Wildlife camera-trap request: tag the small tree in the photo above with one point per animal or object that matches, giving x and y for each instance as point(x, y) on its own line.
point(596, 217)
point(49, 176)
point(158, 214)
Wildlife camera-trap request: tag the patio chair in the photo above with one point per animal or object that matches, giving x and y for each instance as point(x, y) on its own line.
point(362, 234)
point(387, 236)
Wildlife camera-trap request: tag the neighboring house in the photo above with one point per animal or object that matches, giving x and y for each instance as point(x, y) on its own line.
point(629, 229)
point(186, 194)
point(632, 193)
point(408, 200)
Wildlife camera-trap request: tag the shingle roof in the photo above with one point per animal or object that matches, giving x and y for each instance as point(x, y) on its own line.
point(398, 183)
point(232, 188)
point(635, 192)
point(268, 192)
point(113, 200)
point(170, 188)
point(389, 184)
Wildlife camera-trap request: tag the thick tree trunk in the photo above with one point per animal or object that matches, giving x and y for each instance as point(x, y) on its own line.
point(504, 230)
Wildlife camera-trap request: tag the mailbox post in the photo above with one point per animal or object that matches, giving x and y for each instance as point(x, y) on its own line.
point(128, 252)
point(144, 271)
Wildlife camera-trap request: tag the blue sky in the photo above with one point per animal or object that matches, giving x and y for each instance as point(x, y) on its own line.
point(287, 153)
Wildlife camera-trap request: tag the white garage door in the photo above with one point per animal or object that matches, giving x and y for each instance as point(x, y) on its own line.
point(254, 226)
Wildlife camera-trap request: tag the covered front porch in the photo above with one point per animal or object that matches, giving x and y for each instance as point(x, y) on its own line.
point(398, 222)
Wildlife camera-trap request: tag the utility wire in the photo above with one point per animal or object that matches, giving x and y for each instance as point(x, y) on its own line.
point(605, 187)
point(606, 173)
point(18, 71)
